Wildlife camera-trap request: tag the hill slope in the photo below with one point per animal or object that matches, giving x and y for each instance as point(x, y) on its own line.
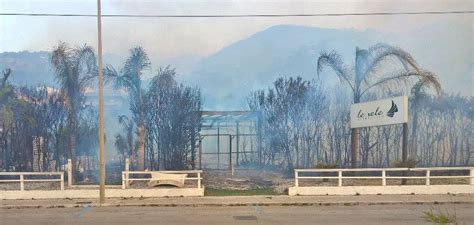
point(227, 77)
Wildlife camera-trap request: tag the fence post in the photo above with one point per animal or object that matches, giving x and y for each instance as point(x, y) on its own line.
point(472, 176)
point(62, 181)
point(384, 178)
point(296, 178)
point(199, 179)
point(127, 169)
point(339, 180)
point(428, 177)
point(69, 173)
point(22, 183)
point(123, 180)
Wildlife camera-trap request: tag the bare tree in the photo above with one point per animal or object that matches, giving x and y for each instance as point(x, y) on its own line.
point(292, 110)
point(173, 111)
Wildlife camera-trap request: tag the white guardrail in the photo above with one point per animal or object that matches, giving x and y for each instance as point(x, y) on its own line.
point(384, 174)
point(127, 176)
point(25, 177)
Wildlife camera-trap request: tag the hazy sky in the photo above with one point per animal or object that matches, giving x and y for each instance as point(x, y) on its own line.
point(166, 39)
point(175, 37)
point(179, 40)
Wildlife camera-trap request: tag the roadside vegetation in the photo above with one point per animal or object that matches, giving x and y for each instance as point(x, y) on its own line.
point(441, 218)
point(305, 123)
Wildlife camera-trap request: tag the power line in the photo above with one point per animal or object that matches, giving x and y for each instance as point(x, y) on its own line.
point(240, 15)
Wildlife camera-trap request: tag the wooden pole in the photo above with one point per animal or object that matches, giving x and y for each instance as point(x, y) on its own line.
point(101, 108)
point(405, 151)
point(405, 144)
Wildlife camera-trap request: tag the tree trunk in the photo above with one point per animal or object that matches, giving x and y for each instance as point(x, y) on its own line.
point(73, 141)
point(141, 145)
point(355, 132)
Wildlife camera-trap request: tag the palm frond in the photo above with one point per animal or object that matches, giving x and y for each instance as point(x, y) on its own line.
point(61, 61)
point(118, 80)
point(136, 62)
point(86, 66)
point(129, 76)
point(334, 60)
point(382, 53)
point(405, 78)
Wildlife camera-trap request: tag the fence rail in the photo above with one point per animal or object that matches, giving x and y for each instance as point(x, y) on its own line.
point(126, 176)
point(22, 178)
point(384, 176)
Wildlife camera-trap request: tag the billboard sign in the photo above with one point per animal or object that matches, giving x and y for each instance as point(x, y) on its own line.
point(379, 113)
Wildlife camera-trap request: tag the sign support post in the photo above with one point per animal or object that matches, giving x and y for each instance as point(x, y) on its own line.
point(405, 150)
point(379, 113)
point(405, 144)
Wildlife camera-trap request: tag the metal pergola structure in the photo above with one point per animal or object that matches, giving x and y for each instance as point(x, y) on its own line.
point(233, 125)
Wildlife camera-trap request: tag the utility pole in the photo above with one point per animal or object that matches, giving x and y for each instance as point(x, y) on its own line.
point(101, 108)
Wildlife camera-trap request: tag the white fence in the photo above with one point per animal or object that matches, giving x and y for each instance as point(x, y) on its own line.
point(127, 176)
point(304, 186)
point(26, 177)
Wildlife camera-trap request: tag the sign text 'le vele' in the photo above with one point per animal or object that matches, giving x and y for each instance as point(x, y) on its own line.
point(379, 113)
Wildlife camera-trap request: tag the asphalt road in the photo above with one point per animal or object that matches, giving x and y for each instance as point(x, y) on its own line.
point(295, 215)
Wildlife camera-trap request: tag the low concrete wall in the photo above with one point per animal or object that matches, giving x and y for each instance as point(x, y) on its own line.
point(384, 190)
point(109, 193)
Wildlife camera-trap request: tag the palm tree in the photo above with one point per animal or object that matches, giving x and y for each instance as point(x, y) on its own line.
point(129, 78)
point(374, 67)
point(74, 68)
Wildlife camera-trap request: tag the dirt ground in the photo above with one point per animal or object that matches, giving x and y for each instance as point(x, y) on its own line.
point(247, 180)
point(31, 186)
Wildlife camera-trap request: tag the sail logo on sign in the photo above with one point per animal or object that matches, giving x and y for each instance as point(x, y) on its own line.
point(391, 112)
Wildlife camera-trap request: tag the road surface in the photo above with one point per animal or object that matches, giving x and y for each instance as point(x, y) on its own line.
point(205, 215)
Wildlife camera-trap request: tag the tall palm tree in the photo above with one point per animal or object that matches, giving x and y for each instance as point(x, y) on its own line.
point(129, 78)
point(375, 67)
point(74, 69)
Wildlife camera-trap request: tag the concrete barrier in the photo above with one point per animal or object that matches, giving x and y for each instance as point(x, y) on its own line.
point(109, 193)
point(383, 190)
